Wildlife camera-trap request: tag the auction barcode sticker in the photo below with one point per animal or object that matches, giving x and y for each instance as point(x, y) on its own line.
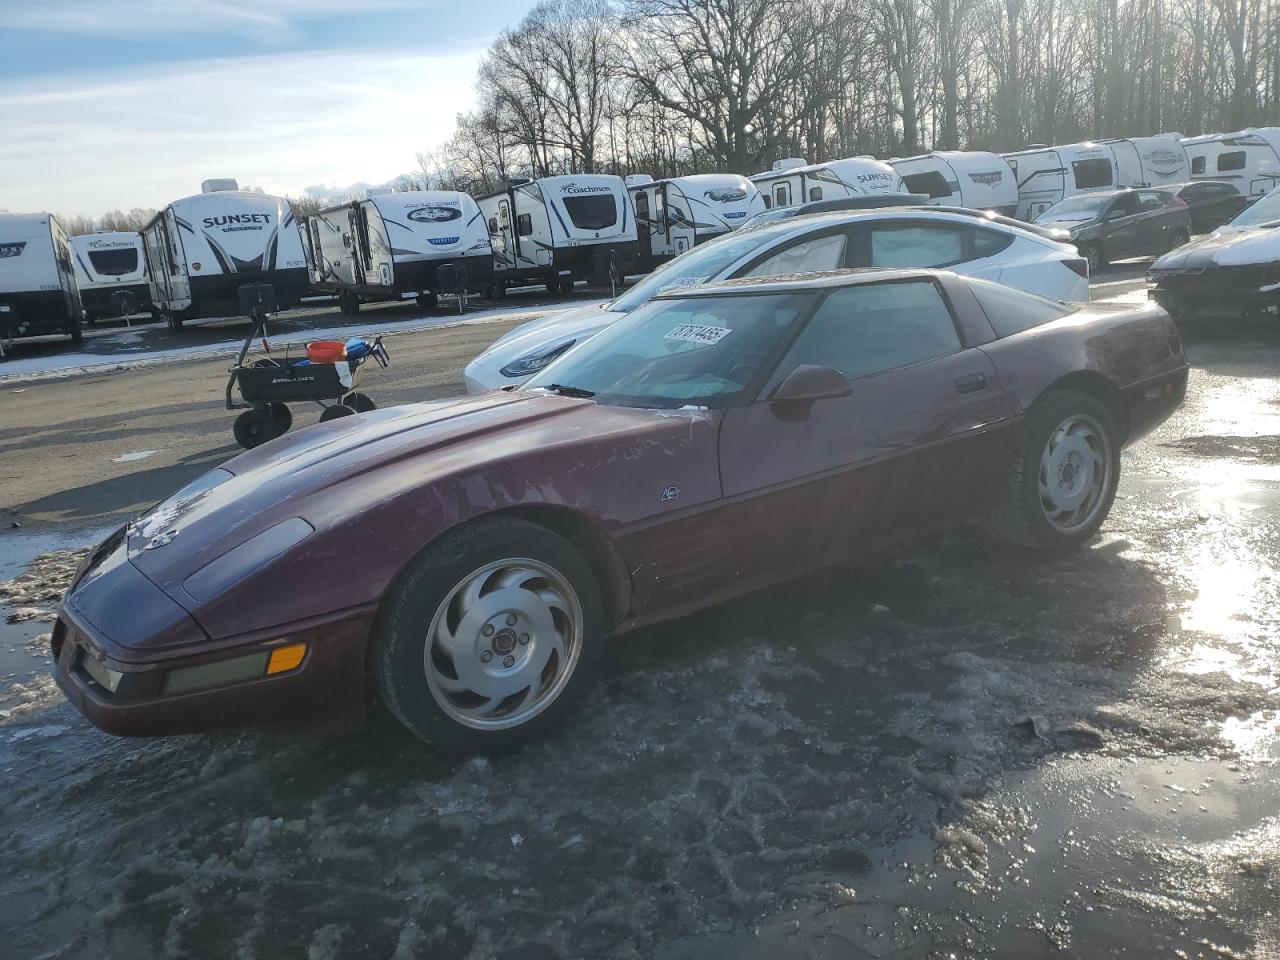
point(697, 333)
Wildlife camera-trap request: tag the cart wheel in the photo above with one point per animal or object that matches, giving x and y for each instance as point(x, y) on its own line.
point(254, 428)
point(428, 300)
point(281, 415)
point(359, 402)
point(335, 411)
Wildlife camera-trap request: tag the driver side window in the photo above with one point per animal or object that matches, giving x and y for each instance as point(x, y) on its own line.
point(809, 256)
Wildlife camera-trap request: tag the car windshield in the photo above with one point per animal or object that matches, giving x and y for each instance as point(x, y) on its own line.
point(1073, 208)
point(702, 263)
point(1264, 212)
point(697, 351)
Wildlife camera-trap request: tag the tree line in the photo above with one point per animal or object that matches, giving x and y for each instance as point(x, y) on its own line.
point(670, 87)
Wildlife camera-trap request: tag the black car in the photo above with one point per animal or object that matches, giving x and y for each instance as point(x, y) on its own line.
point(1116, 224)
point(1210, 202)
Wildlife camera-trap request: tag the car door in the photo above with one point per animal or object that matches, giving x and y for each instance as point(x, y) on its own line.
point(1157, 221)
point(1121, 231)
point(917, 442)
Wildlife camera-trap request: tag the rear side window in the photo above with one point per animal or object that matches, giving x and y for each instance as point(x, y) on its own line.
point(1092, 173)
point(1150, 200)
point(1012, 311)
point(930, 182)
point(591, 212)
point(987, 243)
point(810, 256)
point(1231, 161)
point(1197, 164)
point(875, 327)
point(923, 245)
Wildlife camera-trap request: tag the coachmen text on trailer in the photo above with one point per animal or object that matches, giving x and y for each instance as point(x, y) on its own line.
point(677, 214)
point(201, 250)
point(556, 230)
point(37, 284)
point(414, 244)
point(111, 272)
point(961, 178)
point(792, 181)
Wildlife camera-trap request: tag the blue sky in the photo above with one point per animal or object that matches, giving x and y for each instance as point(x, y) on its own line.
point(110, 104)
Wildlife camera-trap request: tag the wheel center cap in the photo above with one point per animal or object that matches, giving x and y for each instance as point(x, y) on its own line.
point(504, 641)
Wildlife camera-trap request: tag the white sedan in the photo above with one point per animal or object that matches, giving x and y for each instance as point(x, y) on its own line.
point(969, 244)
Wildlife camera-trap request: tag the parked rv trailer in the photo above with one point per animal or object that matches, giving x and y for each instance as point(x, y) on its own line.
point(556, 230)
point(677, 214)
point(1046, 175)
point(787, 185)
point(1149, 161)
point(961, 178)
point(400, 245)
point(37, 282)
point(201, 250)
point(109, 263)
point(1249, 159)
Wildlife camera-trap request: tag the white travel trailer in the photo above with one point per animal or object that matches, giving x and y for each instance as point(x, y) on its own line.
point(556, 230)
point(1149, 161)
point(201, 250)
point(961, 178)
point(1248, 158)
point(37, 283)
point(1048, 174)
point(106, 263)
point(677, 214)
point(398, 246)
point(788, 185)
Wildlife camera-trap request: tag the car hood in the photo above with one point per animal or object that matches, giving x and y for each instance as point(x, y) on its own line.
point(550, 331)
point(1219, 249)
point(332, 474)
point(1065, 223)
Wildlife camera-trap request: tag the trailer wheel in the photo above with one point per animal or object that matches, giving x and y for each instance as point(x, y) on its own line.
point(566, 284)
point(428, 300)
point(336, 411)
point(553, 285)
point(359, 402)
point(254, 428)
point(281, 415)
point(77, 335)
point(174, 321)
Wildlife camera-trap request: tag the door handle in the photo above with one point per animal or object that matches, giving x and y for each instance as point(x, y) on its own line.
point(971, 383)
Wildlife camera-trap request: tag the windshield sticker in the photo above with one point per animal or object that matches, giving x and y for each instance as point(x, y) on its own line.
point(679, 283)
point(697, 333)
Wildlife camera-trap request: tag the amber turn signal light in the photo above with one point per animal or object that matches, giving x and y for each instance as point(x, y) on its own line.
point(284, 659)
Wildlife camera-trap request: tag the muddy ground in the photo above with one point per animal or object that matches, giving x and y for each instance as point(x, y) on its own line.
point(950, 750)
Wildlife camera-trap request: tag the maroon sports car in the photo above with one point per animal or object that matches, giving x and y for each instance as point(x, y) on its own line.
point(465, 560)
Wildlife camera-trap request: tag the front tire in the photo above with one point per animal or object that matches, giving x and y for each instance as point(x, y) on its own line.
point(1063, 476)
point(492, 637)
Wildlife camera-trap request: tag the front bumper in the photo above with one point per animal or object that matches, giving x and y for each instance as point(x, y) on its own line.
point(1221, 293)
point(330, 680)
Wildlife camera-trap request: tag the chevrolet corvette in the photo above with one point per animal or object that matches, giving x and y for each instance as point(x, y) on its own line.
point(464, 561)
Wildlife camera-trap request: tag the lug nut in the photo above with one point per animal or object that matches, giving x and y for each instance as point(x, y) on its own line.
point(487, 656)
point(508, 661)
point(487, 630)
point(511, 619)
point(524, 638)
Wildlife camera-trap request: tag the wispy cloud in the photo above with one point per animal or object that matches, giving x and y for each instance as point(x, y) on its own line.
point(143, 137)
point(268, 21)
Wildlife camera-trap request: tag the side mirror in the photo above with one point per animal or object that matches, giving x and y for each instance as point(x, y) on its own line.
point(809, 382)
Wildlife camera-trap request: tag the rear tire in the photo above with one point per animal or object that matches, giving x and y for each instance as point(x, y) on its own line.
point(491, 637)
point(1179, 238)
point(254, 428)
point(282, 416)
point(336, 411)
point(1063, 476)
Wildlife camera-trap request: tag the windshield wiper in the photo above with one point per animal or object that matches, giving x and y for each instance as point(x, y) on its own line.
point(567, 391)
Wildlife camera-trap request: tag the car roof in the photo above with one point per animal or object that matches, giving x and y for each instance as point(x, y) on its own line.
point(802, 282)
